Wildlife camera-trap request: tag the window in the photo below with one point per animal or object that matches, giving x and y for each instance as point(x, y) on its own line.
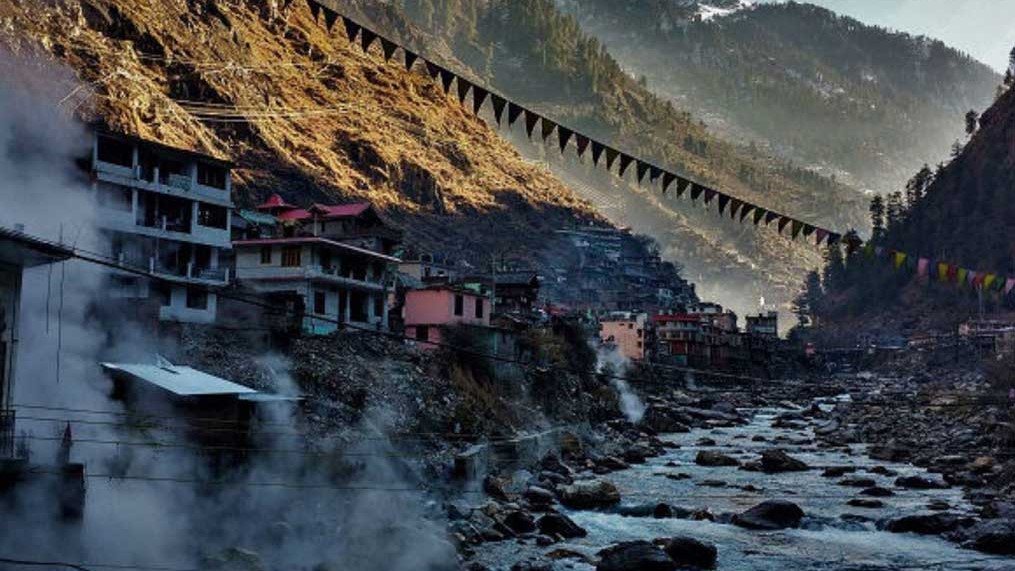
point(115, 197)
point(641, 332)
point(630, 326)
point(210, 175)
point(320, 303)
point(197, 299)
point(479, 308)
point(459, 305)
point(115, 151)
point(291, 256)
point(265, 255)
point(422, 333)
point(212, 216)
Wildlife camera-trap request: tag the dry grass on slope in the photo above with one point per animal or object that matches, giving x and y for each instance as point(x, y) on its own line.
point(326, 120)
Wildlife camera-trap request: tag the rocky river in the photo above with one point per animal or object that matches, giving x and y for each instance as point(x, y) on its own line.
point(687, 499)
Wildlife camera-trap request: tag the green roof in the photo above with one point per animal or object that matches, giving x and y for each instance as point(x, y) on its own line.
point(258, 218)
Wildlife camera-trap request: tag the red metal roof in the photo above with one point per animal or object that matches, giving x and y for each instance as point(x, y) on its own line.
point(275, 201)
point(326, 211)
point(682, 317)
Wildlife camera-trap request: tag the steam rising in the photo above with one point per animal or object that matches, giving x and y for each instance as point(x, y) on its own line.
point(326, 509)
point(610, 359)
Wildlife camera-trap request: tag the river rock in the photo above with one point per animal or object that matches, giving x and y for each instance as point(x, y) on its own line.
point(877, 492)
point(612, 463)
point(838, 471)
point(520, 522)
point(494, 487)
point(635, 556)
point(996, 537)
point(858, 482)
point(560, 525)
point(933, 524)
point(713, 459)
point(773, 514)
point(920, 483)
point(538, 496)
point(868, 504)
point(776, 461)
point(689, 552)
point(589, 494)
point(664, 420)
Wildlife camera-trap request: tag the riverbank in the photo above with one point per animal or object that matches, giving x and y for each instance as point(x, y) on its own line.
point(740, 479)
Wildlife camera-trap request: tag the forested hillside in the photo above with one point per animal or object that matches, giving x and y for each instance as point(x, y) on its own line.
point(862, 102)
point(960, 215)
point(531, 51)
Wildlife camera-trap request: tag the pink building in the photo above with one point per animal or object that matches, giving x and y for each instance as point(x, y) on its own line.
point(627, 331)
point(427, 310)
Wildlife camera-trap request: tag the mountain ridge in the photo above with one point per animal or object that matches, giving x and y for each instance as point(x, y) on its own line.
point(861, 102)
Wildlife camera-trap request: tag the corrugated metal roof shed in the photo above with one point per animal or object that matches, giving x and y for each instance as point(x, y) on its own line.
point(181, 381)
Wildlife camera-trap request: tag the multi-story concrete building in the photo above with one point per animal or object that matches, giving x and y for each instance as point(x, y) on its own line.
point(628, 332)
point(166, 212)
point(335, 258)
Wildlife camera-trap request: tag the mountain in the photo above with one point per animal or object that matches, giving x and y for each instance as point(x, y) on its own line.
point(538, 55)
point(964, 24)
point(965, 215)
point(864, 103)
point(301, 112)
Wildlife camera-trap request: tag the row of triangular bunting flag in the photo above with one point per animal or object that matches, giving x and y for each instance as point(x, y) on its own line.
point(944, 272)
point(504, 109)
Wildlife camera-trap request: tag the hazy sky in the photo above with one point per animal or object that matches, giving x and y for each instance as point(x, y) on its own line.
point(983, 28)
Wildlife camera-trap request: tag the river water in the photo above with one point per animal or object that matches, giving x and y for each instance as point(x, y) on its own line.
point(833, 536)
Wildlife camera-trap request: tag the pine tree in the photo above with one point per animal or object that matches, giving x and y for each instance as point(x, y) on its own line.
point(806, 303)
point(877, 212)
point(835, 268)
point(972, 122)
point(895, 212)
point(917, 186)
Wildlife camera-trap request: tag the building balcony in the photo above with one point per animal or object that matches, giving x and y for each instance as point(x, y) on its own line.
point(164, 228)
point(182, 186)
point(327, 275)
point(186, 274)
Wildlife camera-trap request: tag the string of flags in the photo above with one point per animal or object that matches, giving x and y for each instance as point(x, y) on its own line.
point(944, 272)
point(566, 138)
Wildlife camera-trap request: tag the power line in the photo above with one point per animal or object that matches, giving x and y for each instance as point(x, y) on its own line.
point(85, 566)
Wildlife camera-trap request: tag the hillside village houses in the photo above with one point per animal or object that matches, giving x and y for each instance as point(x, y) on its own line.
point(168, 212)
point(337, 258)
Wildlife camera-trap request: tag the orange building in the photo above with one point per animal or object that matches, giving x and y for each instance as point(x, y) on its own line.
point(628, 332)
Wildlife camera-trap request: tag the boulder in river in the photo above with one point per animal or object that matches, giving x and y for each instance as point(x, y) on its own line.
point(775, 461)
point(996, 537)
point(634, 556)
point(933, 524)
point(663, 419)
point(711, 458)
point(689, 552)
point(858, 482)
point(773, 514)
point(589, 494)
point(866, 503)
point(920, 483)
point(560, 525)
point(519, 522)
point(838, 471)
